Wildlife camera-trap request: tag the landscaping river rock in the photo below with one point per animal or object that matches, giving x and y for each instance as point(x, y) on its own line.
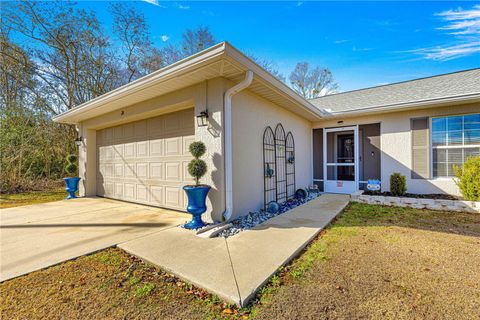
point(255, 218)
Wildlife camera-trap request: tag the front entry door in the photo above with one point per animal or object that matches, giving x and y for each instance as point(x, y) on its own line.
point(340, 160)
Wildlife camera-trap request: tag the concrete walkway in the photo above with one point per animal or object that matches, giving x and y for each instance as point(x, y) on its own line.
point(37, 236)
point(236, 267)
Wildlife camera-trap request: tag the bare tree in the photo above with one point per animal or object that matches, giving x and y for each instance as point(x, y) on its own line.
point(140, 57)
point(16, 74)
point(312, 83)
point(196, 40)
point(171, 54)
point(69, 48)
point(268, 65)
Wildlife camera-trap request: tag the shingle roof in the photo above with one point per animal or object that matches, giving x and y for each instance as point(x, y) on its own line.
point(424, 89)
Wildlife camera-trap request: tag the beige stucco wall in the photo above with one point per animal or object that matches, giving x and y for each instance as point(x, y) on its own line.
point(251, 115)
point(199, 97)
point(396, 144)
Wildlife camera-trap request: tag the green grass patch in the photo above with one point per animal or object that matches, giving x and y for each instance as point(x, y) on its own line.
point(144, 290)
point(27, 198)
point(110, 258)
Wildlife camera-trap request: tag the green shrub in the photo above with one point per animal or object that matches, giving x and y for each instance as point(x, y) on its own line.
point(71, 167)
point(197, 149)
point(197, 167)
point(72, 158)
point(468, 178)
point(398, 184)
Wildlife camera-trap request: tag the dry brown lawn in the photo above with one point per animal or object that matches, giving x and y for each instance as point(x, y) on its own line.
point(378, 262)
point(373, 262)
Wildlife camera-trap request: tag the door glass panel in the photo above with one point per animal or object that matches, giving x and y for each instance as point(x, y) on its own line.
point(345, 150)
point(344, 173)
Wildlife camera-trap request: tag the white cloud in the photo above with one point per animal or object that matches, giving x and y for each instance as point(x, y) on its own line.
point(462, 22)
point(182, 7)
point(154, 2)
point(464, 26)
point(449, 52)
point(299, 3)
point(341, 41)
point(164, 38)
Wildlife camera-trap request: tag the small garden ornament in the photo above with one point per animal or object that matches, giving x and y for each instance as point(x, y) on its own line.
point(197, 194)
point(72, 181)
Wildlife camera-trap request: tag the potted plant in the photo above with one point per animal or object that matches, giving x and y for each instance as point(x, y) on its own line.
point(197, 194)
point(71, 182)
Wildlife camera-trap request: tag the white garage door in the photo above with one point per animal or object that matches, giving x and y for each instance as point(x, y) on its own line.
point(146, 161)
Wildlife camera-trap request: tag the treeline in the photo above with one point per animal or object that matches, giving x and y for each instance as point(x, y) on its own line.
point(55, 56)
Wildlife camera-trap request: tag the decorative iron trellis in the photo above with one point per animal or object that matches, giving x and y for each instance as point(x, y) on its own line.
point(269, 168)
point(279, 165)
point(290, 165)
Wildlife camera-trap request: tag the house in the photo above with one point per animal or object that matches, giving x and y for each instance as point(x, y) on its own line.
point(263, 140)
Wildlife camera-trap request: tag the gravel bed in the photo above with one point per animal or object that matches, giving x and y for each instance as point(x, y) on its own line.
point(254, 218)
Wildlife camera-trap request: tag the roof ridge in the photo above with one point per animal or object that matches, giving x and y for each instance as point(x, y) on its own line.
point(395, 83)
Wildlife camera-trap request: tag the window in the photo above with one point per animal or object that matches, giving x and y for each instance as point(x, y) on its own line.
point(454, 139)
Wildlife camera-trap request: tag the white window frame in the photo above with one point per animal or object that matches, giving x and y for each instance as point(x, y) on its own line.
point(462, 146)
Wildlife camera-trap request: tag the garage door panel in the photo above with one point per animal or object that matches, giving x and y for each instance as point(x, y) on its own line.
point(109, 152)
point(129, 150)
point(129, 170)
point(173, 146)
point(109, 188)
point(156, 147)
point(187, 119)
point(156, 170)
point(142, 170)
point(142, 149)
point(186, 175)
point(108, 135)
point(173, 123)
point(108, 170)
point(128, 131)
point(129, 190)
point(140, 128)
point(186, 144)
point(173, 197)
point(118, 133)
point(118, 151)
point(173, 171)
point(119, 189)
point(142, 193)
point(157, 194)
point(146, 161)
point(155, 126)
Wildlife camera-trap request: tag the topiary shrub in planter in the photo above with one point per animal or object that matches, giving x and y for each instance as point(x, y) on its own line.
point(196, 194)
point(71, 182)
point(398, 184)
point(468, 178)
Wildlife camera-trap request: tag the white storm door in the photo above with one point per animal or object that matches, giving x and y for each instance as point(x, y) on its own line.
point(340, 160)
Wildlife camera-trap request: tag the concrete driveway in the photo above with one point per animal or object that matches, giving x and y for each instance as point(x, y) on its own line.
point(37, 236)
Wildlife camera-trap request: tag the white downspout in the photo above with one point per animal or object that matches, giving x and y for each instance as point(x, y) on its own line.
point(228, 141)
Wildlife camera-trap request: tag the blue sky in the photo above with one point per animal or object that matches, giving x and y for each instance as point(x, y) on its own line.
point(363, 43)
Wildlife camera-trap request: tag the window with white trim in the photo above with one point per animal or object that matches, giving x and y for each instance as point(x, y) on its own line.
point(454, 139)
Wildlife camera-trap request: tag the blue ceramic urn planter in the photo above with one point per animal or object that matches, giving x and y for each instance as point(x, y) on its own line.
point(197, 196)
point(71, 187)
